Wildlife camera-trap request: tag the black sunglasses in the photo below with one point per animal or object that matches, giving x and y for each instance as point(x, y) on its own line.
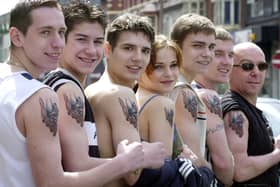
point(249, 66)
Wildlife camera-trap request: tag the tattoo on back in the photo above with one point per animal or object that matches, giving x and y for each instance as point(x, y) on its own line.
point(190, 103)
point(49, 112)
point(213, 104)
point(130, 111)
point(169, 113)
point(236, 123)
point(75, 108)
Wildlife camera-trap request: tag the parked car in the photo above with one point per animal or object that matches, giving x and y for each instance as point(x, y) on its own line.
point(271, 109)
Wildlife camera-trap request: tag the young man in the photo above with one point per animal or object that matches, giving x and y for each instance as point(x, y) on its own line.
point(30, 153)
point(195, 35)
point(127, 51)
point(256, 154)
point(82, 53)
point(218, 73)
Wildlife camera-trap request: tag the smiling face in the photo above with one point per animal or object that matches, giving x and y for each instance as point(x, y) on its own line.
point(220, 68)
point(129, 58)
point(164, 75)
point(247, 83)
point(197, 50)
point(44, 40)
point(84, 49)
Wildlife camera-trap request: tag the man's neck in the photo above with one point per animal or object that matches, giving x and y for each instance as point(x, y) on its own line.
point(205, 84)
point(188, 76)
point(117, 80)
point(22, 63)
point(250, 98)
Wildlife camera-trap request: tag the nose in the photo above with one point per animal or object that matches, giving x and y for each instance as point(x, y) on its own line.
point(58, 41)
point(91, 49)
point(227, 60)
point(168, 72)
point(208, 52)
point(137, 55)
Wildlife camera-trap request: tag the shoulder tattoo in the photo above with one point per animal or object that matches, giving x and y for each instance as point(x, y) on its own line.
point(130, 111)
point(169, 113)
point(213, 104)
point(190, 103)
point(216, 129)
point(236, 124)
point(75, 108)
point(49, 112)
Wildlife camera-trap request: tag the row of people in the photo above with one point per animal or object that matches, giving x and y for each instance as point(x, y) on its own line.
point(64, 120)
point(33, 143)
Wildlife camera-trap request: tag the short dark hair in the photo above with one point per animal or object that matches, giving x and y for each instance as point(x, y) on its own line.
point(77, 13)
point(129, 22)
point(190, 23)
point(20, 16)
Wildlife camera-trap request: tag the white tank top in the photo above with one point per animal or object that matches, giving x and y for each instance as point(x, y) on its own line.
point(15, 170)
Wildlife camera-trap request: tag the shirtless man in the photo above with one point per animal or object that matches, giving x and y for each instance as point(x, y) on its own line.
point(217, 74)
point(195, 35)
point(30, 153)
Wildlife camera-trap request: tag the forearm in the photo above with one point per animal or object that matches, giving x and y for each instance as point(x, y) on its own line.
point(252, 166)
point(224, 169)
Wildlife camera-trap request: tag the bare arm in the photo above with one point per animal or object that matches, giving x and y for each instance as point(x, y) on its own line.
point(185, 119)
point(246, 167)
point(222, 159)
point(41, 130)
point(159, 115)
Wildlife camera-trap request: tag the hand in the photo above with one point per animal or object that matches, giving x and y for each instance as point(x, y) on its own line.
point(132, 154)
point(187, 153)
point(154, 154)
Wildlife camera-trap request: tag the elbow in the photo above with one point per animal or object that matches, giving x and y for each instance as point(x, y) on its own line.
point(132, 177)
point(224, 170)
point(239, 175)
point(224, 165)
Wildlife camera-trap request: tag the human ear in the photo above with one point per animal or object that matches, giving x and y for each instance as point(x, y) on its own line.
point(16, 37)
point(107, 49)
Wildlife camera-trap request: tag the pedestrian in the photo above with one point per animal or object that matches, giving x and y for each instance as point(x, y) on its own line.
point(219, 155)
point(195, 34)
point(156, 110)
point(30, 152)
point(127, 50)
point(250, 138)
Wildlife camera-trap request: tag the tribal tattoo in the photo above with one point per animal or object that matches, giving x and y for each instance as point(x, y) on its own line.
point(130, 110)
point(190, 102)
point(75, 108)
point(216, 129)
point(236, 123)
point(213, 104)
point(169, 113)
point(49, 112)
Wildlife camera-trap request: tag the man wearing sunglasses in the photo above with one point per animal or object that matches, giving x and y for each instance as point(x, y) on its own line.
point(249, 136)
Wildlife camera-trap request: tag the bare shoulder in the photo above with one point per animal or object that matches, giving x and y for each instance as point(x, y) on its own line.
point(236, 121)
point(70, 87)
point(204, 93)
point(41, 108)
point(161, 102)
point(211, 100)
point(101, 91)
